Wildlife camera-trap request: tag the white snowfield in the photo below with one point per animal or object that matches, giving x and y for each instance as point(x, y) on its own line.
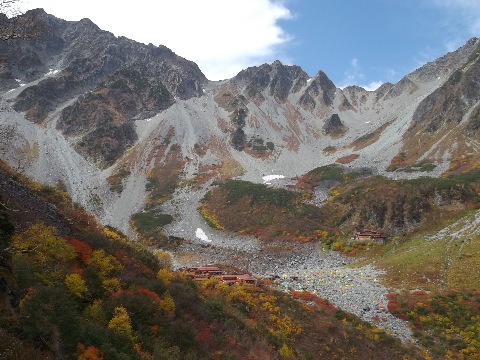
point(200, 234)
point(268, 178)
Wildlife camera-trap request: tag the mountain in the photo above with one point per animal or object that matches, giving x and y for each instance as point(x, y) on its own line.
point(266, 171)
point(104, 116)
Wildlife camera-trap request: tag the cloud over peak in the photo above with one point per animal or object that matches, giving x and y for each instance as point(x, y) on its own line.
point(222, 37)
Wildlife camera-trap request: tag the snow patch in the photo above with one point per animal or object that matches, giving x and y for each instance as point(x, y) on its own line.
point(268, 178)
point(52, 72)
point(200, 234)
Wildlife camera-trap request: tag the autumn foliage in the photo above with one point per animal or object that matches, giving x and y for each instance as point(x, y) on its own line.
point(77, 290)
point(89, 353)
point(83, 250)
point(266, 213)
point(447, 323)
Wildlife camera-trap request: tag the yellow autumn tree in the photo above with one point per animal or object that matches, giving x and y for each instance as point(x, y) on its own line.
point(120, 323)
point(43, 244)
point(285, 352)
point(76, 285)
point(105, 264)
point(42, 247)
point(111, 285)
point(167, 305)
point(110, 233)
point(165, 276)
point(164, 259)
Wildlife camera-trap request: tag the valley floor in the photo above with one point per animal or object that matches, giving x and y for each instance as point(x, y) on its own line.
point(295, 266)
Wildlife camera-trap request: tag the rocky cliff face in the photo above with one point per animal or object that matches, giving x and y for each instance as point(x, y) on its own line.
point(99, 113)
point(116, 81)
point(277, 80)
point(446, 121)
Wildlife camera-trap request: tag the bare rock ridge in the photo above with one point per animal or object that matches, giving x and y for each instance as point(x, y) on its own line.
point(450, 113)
point(321, 88)
point(279, 80)
point(334, 126)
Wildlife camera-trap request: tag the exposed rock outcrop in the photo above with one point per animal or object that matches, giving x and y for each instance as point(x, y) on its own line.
point(334, 126)
point(279, 80)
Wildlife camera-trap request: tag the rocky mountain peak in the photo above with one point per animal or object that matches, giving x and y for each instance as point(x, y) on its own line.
point(278, 79)
point(450, 103)
point(87, 23)
point(89, 56)
point(334, 126)
point(320, 91)
point(36, 14)
point(382, 90)
point(444, 65)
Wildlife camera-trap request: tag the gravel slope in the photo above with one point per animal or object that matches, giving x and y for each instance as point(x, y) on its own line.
point(300, 267)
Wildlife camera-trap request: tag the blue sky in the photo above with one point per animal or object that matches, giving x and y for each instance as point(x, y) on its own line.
point(355, 42)
point(373, 41)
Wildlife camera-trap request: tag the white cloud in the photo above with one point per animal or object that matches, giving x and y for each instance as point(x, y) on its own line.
point(460, 21)
point(12, 8)
point(222, 37)
point(374, 85)
point(355, 76)
point(468, 10)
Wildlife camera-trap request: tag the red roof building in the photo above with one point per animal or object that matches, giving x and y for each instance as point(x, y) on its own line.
point(243, 279)
point(369, 236)
point(203, 271)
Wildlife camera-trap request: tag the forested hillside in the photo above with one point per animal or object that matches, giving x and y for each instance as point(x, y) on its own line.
point(73, 289)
